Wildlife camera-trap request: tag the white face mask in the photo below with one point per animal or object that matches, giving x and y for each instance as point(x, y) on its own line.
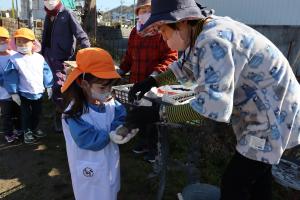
point(24, 50)
point(102, 97)
point(3, 47)
point(175, 42)
point(142, 19)
point(51, 4)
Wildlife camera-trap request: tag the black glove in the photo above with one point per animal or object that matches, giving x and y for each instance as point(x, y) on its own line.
point(142, 87)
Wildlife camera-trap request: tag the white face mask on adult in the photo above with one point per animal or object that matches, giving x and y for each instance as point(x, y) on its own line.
point(175, 42)
point(51, 4)
point(142, 19)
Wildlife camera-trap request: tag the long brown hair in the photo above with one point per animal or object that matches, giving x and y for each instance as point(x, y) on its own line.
point(75, 98)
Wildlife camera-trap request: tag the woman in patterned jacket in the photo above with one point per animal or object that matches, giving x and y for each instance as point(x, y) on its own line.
point(240, 77)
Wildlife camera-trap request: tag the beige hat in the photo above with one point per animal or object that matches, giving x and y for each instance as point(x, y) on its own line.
point(141, 3)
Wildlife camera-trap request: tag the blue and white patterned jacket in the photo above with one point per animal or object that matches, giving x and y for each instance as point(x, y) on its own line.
point(244, 79)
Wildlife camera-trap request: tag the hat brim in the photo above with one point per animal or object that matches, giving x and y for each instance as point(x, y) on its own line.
point(171, 17)
point(76, 72)
point(137, 8)
point(4, 36)
point(24, 36)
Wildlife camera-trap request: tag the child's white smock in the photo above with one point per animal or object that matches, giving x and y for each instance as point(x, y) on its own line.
point(95, 174)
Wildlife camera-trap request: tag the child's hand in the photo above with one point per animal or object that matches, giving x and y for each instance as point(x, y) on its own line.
point(16, 98)
point(118, 139)
point(49, 92)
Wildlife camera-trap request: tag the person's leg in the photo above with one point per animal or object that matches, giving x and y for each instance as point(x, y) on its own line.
point(151, 138)
point(7, 123)
point(26, 118)
point(59, 75)
point(17, 117)
point(25, 114)
point(36, 115)
point(141, 147)
point(240, 177)
point(262, 188)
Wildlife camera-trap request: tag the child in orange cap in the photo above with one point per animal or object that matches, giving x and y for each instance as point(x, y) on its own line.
point(10, 111)
point(26, 77)
point(90, 123)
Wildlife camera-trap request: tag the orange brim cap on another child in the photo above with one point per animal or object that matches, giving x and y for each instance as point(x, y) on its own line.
point(95, 61)
point(24, 33)
point(4, 32)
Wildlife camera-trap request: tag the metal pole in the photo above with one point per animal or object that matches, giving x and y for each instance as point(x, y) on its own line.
point(30, 15)
point(121, 21)
point(17, 7)
point(133, 12)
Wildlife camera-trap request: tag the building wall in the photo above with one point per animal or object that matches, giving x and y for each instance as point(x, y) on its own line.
point(258, 12)
point(286, 38)
point(37, 9)
point(278, 20)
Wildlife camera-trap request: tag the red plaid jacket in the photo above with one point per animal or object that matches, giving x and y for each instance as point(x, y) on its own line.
point(146, 55)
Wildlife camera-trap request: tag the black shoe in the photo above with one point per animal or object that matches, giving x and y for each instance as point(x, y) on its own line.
point(39, 133)
point(28, 137)
point(150, 157)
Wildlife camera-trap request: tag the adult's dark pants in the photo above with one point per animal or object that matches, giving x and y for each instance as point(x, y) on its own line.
point(10, 112)
point(59, 75)
point(148, 136)
point(31, 111)
point(145, 117)
point(246, 179)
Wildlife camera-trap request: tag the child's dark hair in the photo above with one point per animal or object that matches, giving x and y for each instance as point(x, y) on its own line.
point(75, 98)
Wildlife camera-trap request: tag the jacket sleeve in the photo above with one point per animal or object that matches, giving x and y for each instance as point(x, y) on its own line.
point(86, 136)
point(167, 56)
point(78, 32)
point(11, 78)
point(126, 62)
point(120, 114)
point(47, 76)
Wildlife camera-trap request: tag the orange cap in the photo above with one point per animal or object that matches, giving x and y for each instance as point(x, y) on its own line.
point(95, 61)
point(24, 33)
point(4, 32)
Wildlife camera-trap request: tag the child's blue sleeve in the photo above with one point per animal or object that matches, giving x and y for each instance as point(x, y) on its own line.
point(11, 78)
point(48, 76)
point(86, 136)
point(120, 115)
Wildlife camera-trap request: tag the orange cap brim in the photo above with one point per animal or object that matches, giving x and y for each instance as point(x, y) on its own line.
point(76, 72)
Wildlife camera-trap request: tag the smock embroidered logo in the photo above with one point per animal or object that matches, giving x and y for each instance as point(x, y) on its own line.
point(88, 172)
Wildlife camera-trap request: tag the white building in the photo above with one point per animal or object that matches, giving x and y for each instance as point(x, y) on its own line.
point(38, 11)
point(258, 12)
point(279, 20)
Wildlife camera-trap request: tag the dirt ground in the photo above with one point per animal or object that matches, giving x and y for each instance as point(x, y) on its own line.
point(40, 171)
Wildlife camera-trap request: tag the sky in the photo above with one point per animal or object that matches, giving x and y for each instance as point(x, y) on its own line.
point(101, 4)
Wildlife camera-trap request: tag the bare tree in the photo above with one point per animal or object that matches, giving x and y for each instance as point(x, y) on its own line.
point(89, 18)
